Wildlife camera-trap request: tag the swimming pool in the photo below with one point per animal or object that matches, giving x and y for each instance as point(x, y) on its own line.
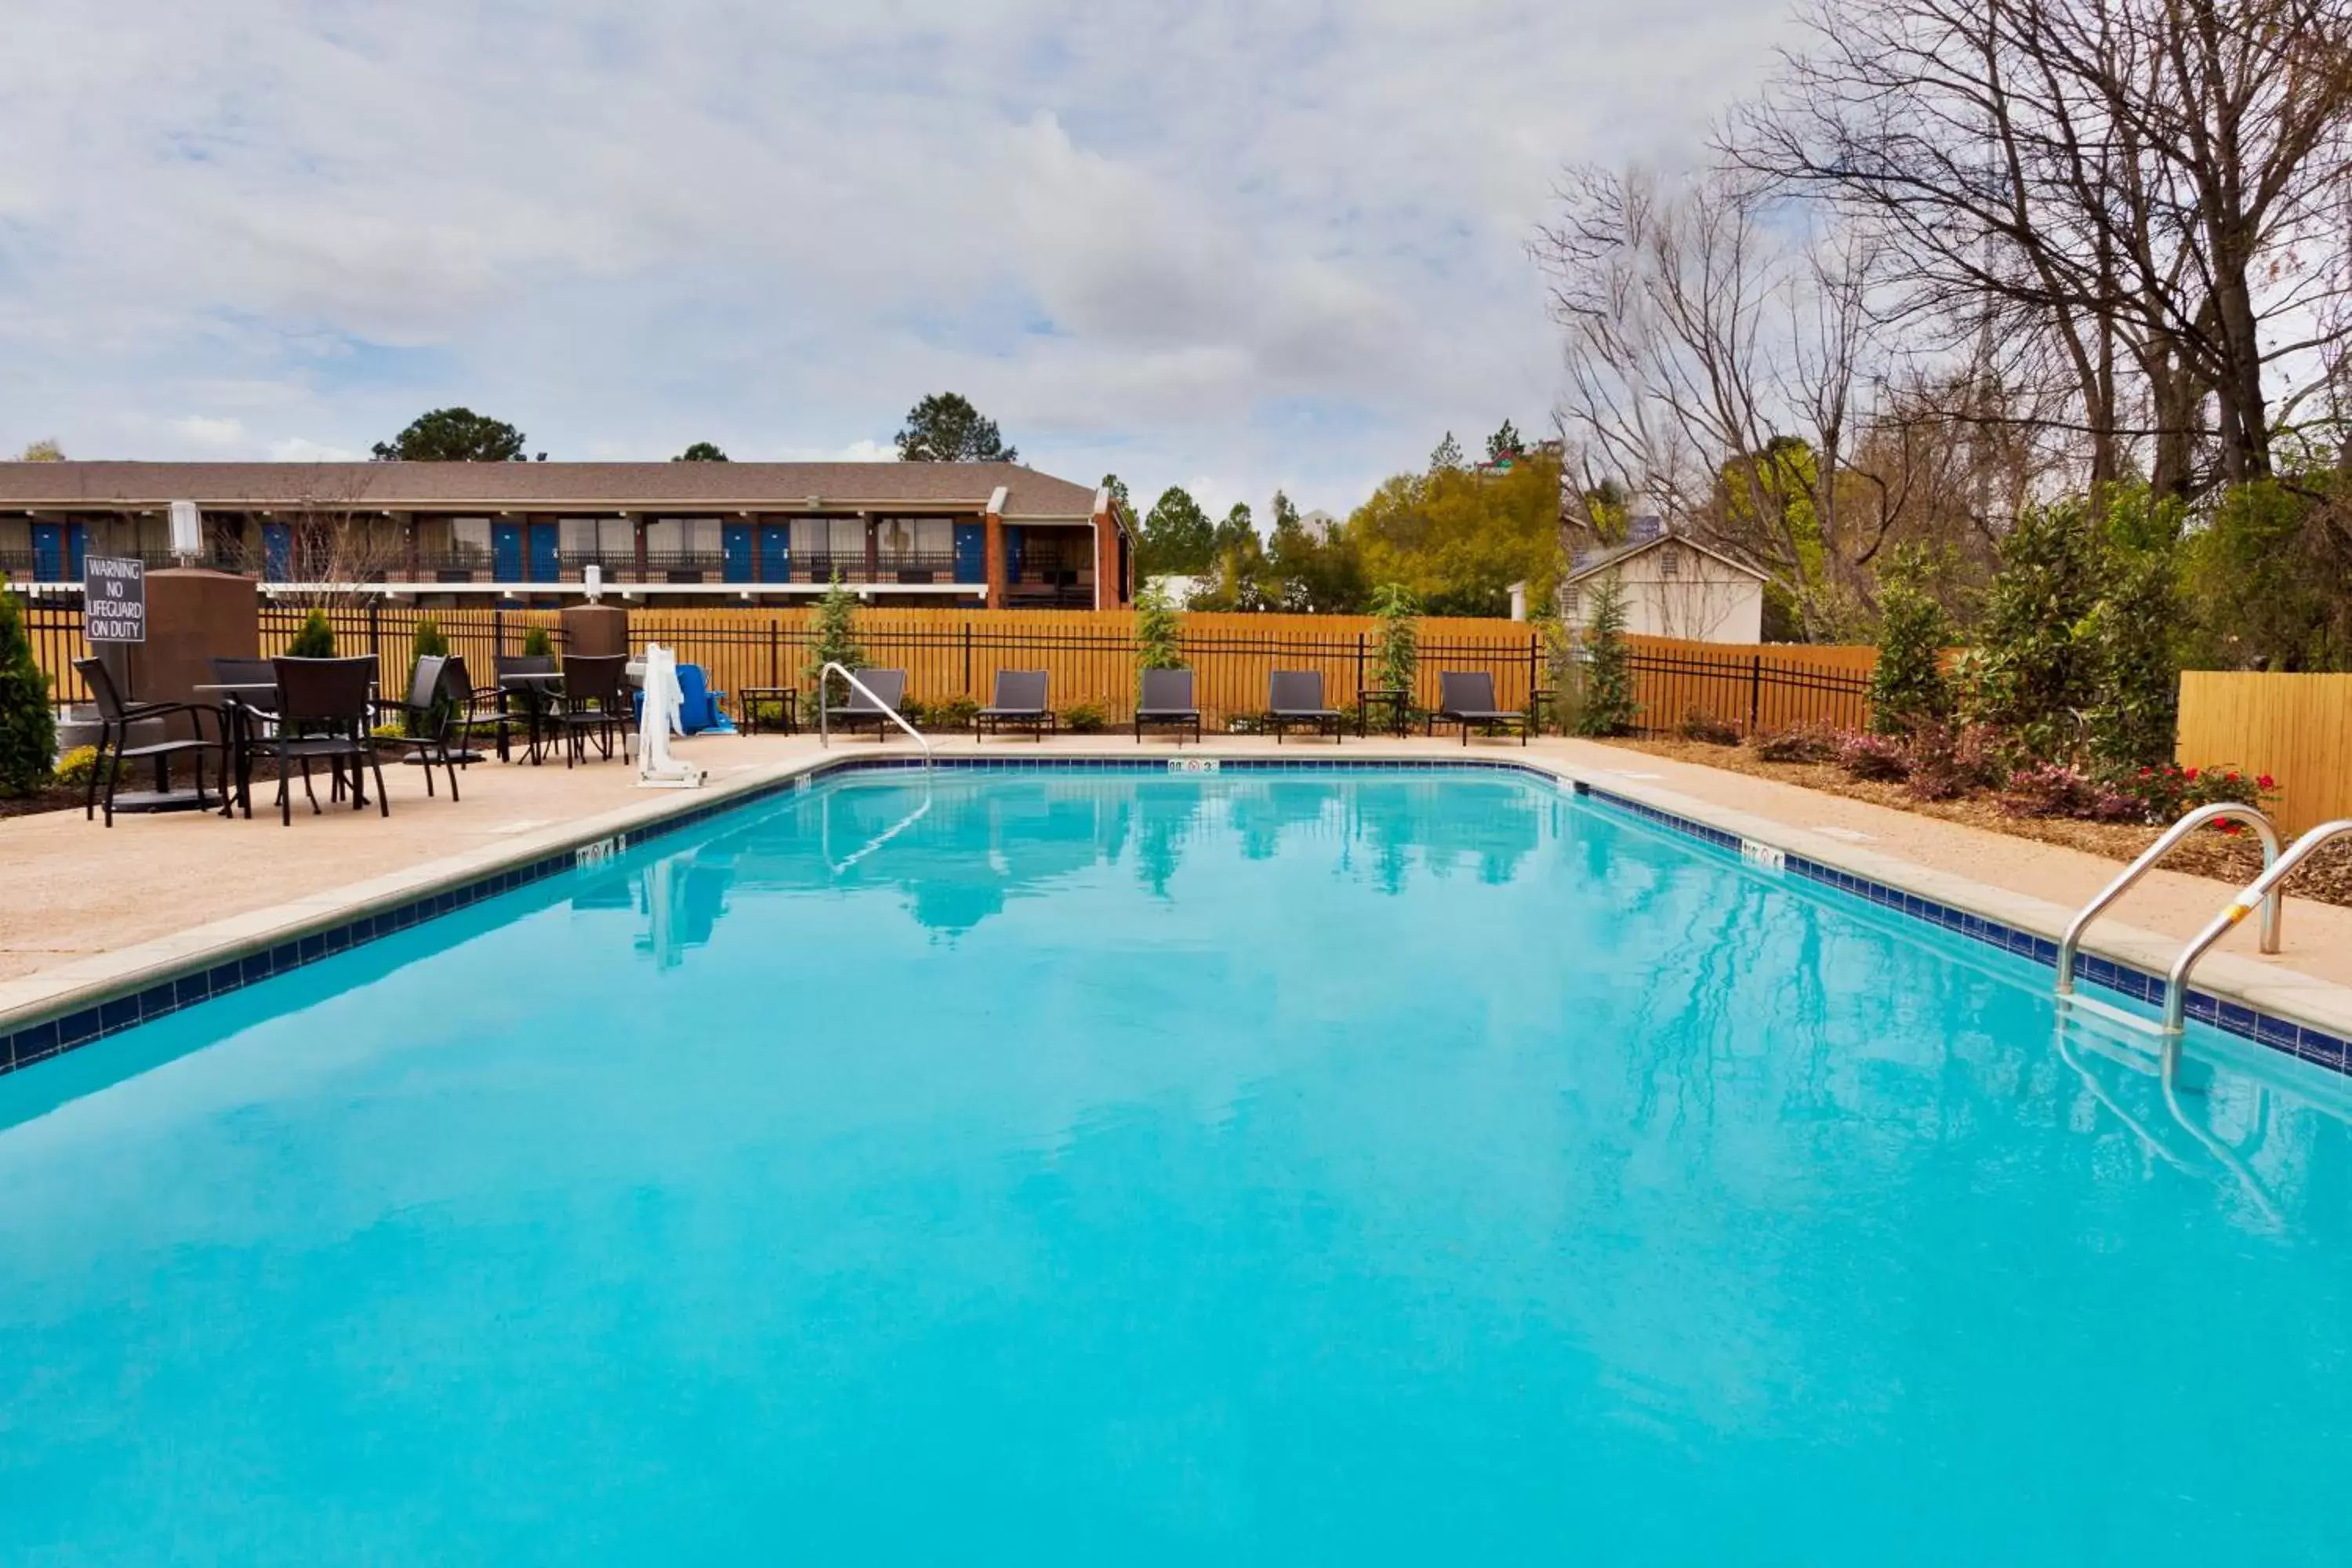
point(1279, 1166)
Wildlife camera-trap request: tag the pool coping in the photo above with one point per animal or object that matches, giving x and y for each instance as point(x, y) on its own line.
point(72, 1004)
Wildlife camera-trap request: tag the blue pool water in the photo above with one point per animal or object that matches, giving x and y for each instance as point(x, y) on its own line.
point(1266, 1168)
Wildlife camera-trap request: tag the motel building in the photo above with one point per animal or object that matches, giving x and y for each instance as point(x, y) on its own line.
point(992, 535)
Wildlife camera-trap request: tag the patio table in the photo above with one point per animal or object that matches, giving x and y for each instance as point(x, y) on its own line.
point(238, 700)
point(542, 682)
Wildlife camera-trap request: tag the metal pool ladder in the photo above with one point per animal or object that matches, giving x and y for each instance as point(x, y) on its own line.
point(2250, 816)
point(2263, 890)
point(825, 732)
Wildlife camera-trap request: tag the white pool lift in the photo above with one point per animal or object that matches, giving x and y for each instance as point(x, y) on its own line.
point(664, 700)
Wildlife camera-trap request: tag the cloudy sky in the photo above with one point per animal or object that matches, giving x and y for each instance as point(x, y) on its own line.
point(1232, 244)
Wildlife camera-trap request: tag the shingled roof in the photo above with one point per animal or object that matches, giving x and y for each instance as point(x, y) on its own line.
point(589, 487)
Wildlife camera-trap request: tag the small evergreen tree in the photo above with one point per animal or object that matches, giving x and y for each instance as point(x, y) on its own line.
point(836, 643)
point(28, 729)
point(1447, 455)
point(315, 640)
point(1396, 660)
point(2134, 637)
point(2036, 674)
point(1159, 631)
point(1908, 688)
point(537, 643)
point(1607, 707)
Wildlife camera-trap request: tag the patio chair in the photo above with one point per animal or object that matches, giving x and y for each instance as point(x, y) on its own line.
point(887, 685)
point(1020, 704)
point(701, 709)
point(1295, 697)
point(115, 718)
point(1166, 703)
point(1466, 696)
point(437, 692)
point(249, 720)
point(326, 714)
point(594, 702)
point(508, 709)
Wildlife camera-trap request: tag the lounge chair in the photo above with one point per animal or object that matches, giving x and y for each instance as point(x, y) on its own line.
point(434, 715)
point(889, 692)
point(1466, 696)
point(1166, 703)
point(115, 718)
point(1019, 704)
point(324, 715)
point(1296, 697)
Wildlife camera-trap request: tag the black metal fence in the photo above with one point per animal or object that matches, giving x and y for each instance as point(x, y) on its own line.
point(1749, 693)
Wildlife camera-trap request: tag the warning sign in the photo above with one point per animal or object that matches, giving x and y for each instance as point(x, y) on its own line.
point(114, 598)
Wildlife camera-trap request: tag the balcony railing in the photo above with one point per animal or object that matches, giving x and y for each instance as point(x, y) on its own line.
point(677, 567)
point(38, 566)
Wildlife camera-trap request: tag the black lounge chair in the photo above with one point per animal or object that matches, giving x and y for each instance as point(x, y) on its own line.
point(889, 688)
point(1166, 703)
point(325, 714)
point(1466, 696)
point(1296, 697)
point(594, 702)
point(1020, 704)
point(115, 718)
point(439, 692)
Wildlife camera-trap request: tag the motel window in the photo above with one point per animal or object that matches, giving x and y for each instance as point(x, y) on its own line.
point(616, 536)
point(470, 536)
point(578, 538)
point(682, 536)
point(842, 538)
point(897, 538)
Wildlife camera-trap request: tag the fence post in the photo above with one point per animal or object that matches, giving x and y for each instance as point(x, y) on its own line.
point(1360, 668)
point(1755, 688)
point(775, 651)
point(497, 629)
point(375, 630)
point(1535, 674)
point(967, 659)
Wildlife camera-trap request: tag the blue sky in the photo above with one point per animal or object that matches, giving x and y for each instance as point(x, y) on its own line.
point(1234, 246)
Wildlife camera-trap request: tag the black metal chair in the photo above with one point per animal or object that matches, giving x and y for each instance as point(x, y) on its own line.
point(1296, 697)
point(888, 694)
point(1019, 704)
point(1466, 696)
point(248, 718)
point(437, 690)
point(325, 713)
point(1166, 703)
point(512, 709)
point(115, 718)
point(592, 702)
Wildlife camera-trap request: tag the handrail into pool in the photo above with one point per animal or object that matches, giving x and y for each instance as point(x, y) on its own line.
point(2180, 830)
point(824, 731)
point(2263, 887)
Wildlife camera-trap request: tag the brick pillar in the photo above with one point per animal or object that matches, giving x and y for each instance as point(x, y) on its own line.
point(193, 616)
point(995, 525)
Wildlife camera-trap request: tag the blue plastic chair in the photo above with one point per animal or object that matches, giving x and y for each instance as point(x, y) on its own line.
point(700, 711)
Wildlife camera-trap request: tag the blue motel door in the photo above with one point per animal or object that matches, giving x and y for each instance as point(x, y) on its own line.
point(972, 552)
point(506, 551)
point(57, 552)
point(735, 552)
point(775, 552)
point(277, 551)
point(543, 566)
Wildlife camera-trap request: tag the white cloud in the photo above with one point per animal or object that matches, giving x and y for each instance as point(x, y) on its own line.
point(1268, 243)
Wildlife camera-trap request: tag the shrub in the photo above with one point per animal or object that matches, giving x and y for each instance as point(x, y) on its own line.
point(1907, 686)
point(1086, 719)
point(836, 643)
point(1940, 763)
point(536, 643)
point(1606, 705)
point(1700, 725)
point(1159, 631)
point(1877, 758)
point(315, 640)
point(76, 767)
point(1396, 658)
point(954, 714)
point(28, 729)
point(2165, 793)
point(2035, 673)
point(2050, 789)
point(2134, 635)
point(1804, 743)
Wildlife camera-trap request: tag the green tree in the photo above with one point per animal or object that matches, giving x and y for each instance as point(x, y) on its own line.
point(28, 731)
point(1177, 536)
point(946, 428)
point(1606, 706)
point(1118, 488)
point(2035, 674)
point(1159, 631)
point(1505, 445)
point(453, 435)
point(1459, 539)
point(536, 643)
point(701, 452)
point(315, 639)
point(1396, 656)
point(45, 451)
point(836, 643)
point(1447, 455)
point(1237, 530)
point(2268, 577)
point(2135, 633)
point(1308, 575)
point(1908, 688)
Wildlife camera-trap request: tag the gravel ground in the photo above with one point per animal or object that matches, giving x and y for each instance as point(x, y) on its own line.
point(2327, 877)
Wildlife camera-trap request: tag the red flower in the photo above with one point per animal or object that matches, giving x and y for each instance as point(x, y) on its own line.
point(2266, 782)
point(2233, 775)
point(2191, 773)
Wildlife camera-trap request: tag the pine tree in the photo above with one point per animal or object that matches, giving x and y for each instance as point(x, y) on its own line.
point(1448, 455)
point(315, 640)
point(1159, 632)
point(1607, 708)
point(1396, 658)
point(836, 643)
point(28, 732)
point(1505, 445)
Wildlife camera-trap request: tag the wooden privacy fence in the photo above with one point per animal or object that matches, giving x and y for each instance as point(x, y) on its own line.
point(387, 633)
point(1755, 688)
point(2295, 728)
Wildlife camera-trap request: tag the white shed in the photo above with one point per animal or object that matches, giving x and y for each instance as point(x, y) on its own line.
point(1673, 588)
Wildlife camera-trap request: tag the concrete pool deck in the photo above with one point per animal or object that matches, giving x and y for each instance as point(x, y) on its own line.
point(88, 910)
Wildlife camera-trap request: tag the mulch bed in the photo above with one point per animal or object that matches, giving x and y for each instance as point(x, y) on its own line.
point(2326, 877)
point(55, 797)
